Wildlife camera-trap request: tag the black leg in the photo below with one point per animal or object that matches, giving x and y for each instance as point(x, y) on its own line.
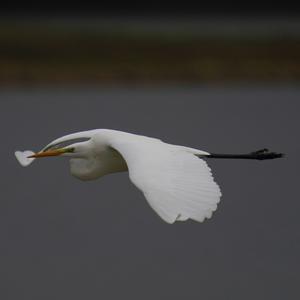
point(262, 154)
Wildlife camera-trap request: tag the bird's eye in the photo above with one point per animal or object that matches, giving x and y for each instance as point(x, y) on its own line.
point(70, 150)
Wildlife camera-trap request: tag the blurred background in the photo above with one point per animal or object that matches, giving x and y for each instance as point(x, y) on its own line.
point(150, 44)
point(218, 76)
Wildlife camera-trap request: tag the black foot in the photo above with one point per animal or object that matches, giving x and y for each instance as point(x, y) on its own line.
point(265, 154)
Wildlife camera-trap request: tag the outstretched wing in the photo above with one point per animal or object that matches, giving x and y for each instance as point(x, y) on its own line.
point(177, 184)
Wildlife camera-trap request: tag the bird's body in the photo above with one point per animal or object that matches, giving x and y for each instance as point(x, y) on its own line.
point(174, 179)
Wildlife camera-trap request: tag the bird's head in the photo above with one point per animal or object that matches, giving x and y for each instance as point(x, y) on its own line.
point(73, 145)
point(66, 148)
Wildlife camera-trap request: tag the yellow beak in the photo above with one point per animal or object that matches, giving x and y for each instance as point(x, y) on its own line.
point(55, 152)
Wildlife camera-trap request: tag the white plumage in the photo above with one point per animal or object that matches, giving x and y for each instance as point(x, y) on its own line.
point(177, 184)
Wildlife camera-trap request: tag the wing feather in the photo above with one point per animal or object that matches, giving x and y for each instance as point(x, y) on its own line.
point(177, 184)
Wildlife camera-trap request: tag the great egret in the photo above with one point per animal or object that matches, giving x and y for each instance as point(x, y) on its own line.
point(175, 180)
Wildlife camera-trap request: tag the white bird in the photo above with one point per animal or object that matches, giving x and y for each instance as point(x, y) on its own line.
point(175, 180)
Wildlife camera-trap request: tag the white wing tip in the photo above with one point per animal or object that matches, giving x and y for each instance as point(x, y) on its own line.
point(23, 159)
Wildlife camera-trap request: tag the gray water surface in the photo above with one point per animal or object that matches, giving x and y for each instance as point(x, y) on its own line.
point(61, 238)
